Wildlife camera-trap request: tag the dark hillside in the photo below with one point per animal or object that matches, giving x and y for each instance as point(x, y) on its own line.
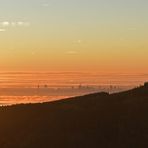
point(92, 121)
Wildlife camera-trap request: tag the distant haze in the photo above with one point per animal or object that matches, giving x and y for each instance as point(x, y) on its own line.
point(68, 79)
point(33, 87)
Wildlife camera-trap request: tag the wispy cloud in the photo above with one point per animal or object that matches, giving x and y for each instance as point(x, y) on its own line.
point(72, 52)
point(2, 30)
point(45, 4)
point(14, 24)
point(5, 23)
point(77, 41)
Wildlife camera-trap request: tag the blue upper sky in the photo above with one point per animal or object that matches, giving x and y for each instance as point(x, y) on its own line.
point(74, 9)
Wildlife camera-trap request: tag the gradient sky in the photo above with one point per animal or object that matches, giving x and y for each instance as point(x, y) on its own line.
point(98, 35)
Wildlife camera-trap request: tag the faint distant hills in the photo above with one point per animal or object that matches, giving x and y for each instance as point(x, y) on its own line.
point(60, 91)
point(99, 120)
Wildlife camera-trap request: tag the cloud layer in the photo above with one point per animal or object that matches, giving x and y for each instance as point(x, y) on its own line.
point(2, 30)
point(14, 24)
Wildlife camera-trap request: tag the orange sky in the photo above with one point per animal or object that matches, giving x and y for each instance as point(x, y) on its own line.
point(74, 36)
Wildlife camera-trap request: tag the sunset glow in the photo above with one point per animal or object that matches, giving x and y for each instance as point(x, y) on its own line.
point(71, 47)
point(73, 73)
point(96, 35)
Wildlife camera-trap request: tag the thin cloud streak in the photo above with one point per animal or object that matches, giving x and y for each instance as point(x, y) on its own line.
point(72, 52)
point(2, 30)
point(14, 24)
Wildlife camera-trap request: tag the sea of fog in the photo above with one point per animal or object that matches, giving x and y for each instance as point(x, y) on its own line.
point(34, 87)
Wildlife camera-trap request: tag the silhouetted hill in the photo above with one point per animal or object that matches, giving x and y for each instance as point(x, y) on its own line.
point(93, 121)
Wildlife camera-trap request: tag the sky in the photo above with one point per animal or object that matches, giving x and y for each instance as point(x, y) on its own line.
point(74, 35)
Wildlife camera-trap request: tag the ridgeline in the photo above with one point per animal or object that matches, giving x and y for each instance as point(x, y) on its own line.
point(98, 120)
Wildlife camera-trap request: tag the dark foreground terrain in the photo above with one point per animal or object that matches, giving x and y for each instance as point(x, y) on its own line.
point(93, 121)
